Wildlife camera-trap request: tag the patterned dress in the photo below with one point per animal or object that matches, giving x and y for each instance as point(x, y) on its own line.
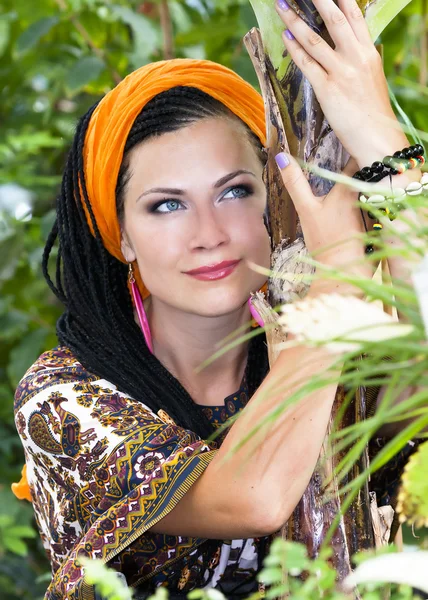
point(103, 469)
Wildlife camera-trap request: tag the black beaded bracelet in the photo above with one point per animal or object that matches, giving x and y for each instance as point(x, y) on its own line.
point(401, 161)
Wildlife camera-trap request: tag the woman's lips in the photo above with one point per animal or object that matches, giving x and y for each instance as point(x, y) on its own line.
point(214, 272)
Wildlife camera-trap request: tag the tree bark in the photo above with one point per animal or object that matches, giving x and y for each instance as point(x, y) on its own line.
point(295, 123)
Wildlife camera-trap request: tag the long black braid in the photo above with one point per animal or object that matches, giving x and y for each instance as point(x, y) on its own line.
point(98, 323)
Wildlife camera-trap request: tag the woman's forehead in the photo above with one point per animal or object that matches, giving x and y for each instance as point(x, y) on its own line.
point(215, 143)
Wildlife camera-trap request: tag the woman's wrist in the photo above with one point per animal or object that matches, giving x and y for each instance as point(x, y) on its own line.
point(383, 143)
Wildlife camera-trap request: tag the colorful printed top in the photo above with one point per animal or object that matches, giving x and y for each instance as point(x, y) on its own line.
point(103, 469)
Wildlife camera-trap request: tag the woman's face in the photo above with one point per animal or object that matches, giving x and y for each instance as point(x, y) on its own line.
point(195, 199)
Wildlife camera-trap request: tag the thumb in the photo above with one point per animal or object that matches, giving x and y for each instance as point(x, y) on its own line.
point(295, 181)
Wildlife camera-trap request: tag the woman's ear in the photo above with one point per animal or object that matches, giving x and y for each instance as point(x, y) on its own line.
point(127, 249)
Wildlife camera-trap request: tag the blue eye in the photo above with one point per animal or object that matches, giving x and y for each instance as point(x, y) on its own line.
point(238, 191)
point(167, 206)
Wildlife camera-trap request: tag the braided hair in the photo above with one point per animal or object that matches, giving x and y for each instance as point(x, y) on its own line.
point(98, 323)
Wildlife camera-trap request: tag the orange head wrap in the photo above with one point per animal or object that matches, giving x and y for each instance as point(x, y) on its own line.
point(114, 116)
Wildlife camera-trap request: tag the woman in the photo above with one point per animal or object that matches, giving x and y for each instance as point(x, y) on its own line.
point(163, 185)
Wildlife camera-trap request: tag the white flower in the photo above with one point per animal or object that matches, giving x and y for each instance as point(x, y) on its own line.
point(340, 322)
point(409, 568)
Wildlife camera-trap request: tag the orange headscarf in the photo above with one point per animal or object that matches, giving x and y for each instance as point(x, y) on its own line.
point(114, 116)
point(111, 123)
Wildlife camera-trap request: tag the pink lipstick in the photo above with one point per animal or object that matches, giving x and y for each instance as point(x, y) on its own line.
point(214, 272)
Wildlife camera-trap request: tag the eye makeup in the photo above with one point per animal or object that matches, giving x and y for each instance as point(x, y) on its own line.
point(175, 203)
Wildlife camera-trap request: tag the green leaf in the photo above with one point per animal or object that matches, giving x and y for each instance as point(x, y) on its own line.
point(146, 36)
point(271, 575)
point(31, 36)
point(25, 353)
point(21, 531)
point(5, 521)
point(13, 325)
point(4, 35)
point(15, 545)
point(380, 13)
point(413, 497)
point(10, 250)
point(84, 71)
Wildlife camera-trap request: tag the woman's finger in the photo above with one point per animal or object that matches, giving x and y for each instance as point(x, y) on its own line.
point(313, 43)
point(337, 25)
point(310, 68)
point(295, 182)
point(357, 21)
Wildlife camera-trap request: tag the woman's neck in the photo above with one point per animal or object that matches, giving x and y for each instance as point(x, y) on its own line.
point(182, 342)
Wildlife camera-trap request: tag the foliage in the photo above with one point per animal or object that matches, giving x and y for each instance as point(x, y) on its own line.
point(106, 581)
point(413, 498)
point(287, 572)
point(58, 57)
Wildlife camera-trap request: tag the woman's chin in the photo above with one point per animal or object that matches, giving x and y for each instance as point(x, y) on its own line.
point(220, 307)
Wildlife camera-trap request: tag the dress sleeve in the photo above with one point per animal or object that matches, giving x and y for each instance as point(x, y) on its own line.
point(102, 470)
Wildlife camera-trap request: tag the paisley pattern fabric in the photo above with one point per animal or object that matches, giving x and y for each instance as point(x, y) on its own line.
point(103, 469)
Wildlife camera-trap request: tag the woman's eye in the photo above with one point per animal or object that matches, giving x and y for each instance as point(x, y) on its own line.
point(238, 191)
point(167, 206)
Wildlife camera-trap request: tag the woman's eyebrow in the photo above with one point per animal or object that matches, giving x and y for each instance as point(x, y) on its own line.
point(226, 178)
point(178, 192)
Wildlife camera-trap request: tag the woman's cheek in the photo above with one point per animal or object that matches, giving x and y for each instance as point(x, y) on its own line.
point(252, 233)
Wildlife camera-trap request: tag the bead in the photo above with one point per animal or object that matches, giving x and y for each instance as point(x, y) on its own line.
point(421, 160)
point(388, 160)
point(408, 152)
point(414, 162)
point(377, 226)
point(377, 167)
point(393, 172)
point(369, 249)
point(420, 149)
point(414, 189)
point(358, 176)
point(362, 198)
point(376, 200)
point(366, 172)
point(399, 154)
point(400, 168)
point(371, 215)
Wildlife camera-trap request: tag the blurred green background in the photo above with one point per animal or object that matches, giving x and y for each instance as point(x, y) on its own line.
point(57, 57)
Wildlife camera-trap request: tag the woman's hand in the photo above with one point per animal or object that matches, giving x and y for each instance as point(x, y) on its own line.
point(348, 80)
point(332, 225)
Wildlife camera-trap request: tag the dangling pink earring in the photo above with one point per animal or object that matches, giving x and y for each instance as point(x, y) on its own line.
point(255, 314)
point(142, 317)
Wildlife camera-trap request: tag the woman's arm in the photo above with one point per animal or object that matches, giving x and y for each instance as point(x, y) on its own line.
point(244, 496)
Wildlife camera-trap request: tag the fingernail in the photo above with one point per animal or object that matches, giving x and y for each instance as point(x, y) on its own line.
point(282, 4)
point(288, 34)
point(282, 160)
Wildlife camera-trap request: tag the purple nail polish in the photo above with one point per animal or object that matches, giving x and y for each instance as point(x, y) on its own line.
point(282, 160)
point(282, 4)
point(288, 34)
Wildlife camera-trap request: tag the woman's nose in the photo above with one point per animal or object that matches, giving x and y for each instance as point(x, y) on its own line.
point(210, 231)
